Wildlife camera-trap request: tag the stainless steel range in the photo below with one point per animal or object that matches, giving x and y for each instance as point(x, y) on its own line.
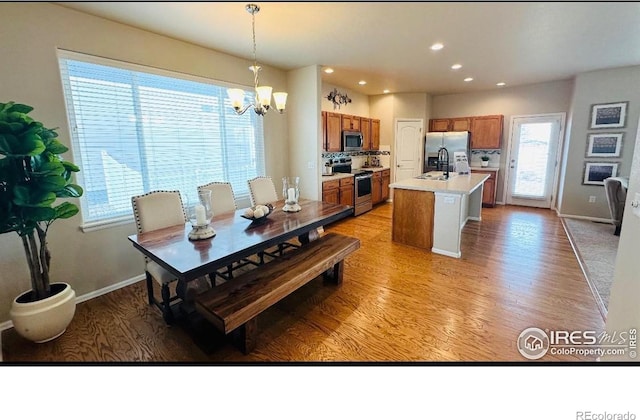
point(362, 182)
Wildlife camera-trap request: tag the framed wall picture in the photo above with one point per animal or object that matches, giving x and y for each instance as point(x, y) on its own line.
point(604, 145)
point(596, 172)
point(608, 115)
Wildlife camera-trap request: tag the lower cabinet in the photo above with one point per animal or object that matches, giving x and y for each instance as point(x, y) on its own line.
point(338, 191)
point(380, 186)
point(489, 189)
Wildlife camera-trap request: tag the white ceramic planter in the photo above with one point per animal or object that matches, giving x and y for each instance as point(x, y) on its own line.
point(46, 319)
point(484, 163)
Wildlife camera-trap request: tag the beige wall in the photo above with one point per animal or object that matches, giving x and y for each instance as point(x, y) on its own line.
point(29, 74)
point(305, 130)
point(359, 103)
point(614, 85)
point(542, 98)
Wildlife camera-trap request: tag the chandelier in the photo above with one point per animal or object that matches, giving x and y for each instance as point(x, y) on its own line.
point(262, 99)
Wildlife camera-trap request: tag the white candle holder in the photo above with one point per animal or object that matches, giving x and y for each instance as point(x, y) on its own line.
point(291, 193)
point(200, 215)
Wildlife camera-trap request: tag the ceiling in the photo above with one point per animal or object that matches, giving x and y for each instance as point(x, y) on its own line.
point(388, 43)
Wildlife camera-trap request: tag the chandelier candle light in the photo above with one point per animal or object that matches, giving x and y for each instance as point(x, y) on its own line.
point(262, 100)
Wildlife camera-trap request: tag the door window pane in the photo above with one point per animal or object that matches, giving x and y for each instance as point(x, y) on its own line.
point(533, 158)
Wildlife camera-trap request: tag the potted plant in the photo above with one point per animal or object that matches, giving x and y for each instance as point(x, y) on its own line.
point(33, 176)
point(484, 160)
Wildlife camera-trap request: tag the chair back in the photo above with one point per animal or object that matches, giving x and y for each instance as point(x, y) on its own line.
point(616, 191)
point(222, 197)
point(263, 190)
point(157, 210)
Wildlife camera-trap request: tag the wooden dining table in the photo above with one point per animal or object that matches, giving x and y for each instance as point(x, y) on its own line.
point(236, 238)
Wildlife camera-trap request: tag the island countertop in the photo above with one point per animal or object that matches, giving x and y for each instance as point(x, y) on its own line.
point(457, 184)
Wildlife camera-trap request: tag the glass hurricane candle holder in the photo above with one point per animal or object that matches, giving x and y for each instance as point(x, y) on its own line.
point(200, 215)
point(291, 193)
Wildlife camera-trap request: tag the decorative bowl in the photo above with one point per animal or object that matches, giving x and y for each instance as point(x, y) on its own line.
point(254, 208)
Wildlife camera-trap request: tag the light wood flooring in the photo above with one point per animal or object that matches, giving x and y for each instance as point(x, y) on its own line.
point(396, 303)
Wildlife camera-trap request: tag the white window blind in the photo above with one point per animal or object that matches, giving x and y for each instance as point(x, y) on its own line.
point(136, 129)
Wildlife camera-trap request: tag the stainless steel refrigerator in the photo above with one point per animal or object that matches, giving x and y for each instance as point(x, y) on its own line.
point(453, 141)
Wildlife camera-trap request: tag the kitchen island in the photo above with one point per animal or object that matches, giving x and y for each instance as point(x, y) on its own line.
point(429, 212)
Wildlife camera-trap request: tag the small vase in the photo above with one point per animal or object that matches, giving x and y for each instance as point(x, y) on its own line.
point(484, 163)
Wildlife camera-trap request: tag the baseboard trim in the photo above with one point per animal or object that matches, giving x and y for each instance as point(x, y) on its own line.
point(593, 219)
point(79, 299)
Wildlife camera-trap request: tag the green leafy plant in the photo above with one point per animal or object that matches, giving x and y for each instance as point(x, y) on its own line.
point(484, 158)
point(33, 176)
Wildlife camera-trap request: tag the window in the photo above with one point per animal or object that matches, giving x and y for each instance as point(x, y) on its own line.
point(136, 129)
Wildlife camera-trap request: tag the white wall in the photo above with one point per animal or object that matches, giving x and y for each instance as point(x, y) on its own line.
point(29, 74)
point(359, 103)
point(624, 303)
point(605, 86)
point(305, 130)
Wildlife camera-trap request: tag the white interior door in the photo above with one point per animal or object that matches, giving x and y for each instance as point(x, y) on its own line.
point(533, 160)
point(408, 148)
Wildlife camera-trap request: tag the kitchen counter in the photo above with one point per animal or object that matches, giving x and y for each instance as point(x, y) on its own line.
point(336, 175)
point(484, 168)
point(430, 214)
point(374, 168)
point(460, 184)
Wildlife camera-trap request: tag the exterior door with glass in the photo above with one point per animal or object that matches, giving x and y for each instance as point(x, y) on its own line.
point(533, 161)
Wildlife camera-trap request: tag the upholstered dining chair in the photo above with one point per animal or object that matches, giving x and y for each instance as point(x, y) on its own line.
point(156, 210)
point(616, 191)
point(263, 191)
point(223, 201)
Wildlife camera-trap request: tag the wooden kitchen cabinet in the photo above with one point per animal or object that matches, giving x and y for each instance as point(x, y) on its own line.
point(386, 180)
point(339, 191)
point(460, 124)
point(365, 129)
point(380, 186)
point(440, 124)
point(332, 131)
point(346, 191)
point(376, 187)
point(489, 189)
point(350, 122)
point(375, 134)
point(486, 132)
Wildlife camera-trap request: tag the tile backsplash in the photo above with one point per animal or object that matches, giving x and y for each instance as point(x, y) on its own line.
point(494, 157)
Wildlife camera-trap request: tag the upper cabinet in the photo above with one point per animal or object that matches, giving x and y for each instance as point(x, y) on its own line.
point(334, 123)
point(486, 130)
point(375, 134)
point(331, 131)
point(450, 124)
point(350, 122)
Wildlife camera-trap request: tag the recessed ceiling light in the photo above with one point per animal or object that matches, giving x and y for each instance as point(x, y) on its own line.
point(328, 70)
point(500, 84)
point(362, 82)
point(386, 91)
point(468, 79)
point(456, 66)
point(437, 46)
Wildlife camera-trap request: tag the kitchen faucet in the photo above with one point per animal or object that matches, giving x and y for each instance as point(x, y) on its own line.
point(443, 161)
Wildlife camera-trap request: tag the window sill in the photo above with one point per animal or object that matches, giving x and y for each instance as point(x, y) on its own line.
point(106, 224)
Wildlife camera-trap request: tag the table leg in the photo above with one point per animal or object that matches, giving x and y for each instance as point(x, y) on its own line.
point(307, 237)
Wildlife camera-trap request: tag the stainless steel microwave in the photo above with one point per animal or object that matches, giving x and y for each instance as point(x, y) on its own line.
point(352, 141)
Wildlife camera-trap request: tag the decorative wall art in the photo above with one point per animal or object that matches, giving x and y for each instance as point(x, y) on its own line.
point(611, 115)
point(596, 172)
point(338, 98)
point(604, 145)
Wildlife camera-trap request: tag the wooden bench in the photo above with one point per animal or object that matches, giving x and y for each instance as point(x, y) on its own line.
point(236, 304)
